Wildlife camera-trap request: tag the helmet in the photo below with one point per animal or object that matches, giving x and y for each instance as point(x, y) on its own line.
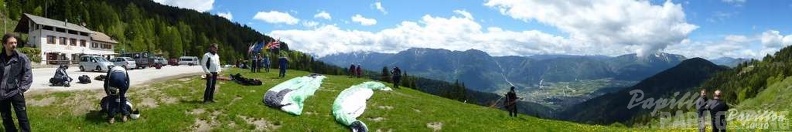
point(135, 114)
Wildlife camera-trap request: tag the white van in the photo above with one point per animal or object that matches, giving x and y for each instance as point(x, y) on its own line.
point(188, 60)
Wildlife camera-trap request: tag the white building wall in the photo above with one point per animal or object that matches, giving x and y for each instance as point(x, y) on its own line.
point(38, 36)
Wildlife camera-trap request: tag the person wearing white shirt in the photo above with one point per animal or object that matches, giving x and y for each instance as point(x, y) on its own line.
point(211, 67)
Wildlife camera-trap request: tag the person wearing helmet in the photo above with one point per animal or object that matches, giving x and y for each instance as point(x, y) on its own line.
point(116, 86)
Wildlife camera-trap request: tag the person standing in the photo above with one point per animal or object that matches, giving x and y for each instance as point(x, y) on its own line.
point(359, 71)
point(718, 110)
point(701, 108)
point(282, 63)
point(511, 102)
point(211, 67)
point(352, 70)
point(254, 63)
point(116, 85)
point(396, 73)
point(266, 63)
point(16, 80)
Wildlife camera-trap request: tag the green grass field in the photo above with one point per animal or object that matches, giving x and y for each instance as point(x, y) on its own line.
point(174, 105)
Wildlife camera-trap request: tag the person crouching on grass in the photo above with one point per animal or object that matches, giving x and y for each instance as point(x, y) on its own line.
point(116, 85)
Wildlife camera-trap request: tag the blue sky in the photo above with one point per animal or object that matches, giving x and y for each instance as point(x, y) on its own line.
point(694, 28)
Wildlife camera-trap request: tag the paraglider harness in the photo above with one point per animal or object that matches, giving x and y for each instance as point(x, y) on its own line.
point(245, 81)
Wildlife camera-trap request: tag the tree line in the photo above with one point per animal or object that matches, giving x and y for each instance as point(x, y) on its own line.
point(146, 26)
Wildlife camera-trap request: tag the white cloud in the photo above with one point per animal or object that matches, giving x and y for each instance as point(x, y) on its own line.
point(735, 2)
point(458, 32)
point(774, 39)
point(464, 13)
point(378, 6)
point(606, 22)
point(310, 24)
point(736, 46)
point(719, 16)
point(276, 17)
point(363, 20)
point(198, 5)
point(226, 15)
point(323, 15)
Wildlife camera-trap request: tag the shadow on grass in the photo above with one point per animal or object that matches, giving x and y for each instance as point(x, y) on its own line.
point(96, 116)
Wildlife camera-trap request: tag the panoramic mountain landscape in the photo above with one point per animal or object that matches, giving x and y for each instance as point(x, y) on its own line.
point(728, 61)
point(555, 81)
point(613, 107)
point(577, 65)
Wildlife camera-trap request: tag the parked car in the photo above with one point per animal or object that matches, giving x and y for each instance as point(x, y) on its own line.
point(125, 62)
point(173, 62)
point(142, 59)
point(188, 60)
point(94, 63)
point(161, 61)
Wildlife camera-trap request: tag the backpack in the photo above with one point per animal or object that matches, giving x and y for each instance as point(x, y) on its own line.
point(84, 79)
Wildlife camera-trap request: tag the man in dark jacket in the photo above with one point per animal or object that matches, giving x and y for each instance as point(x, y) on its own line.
point(718, 110)
point(16, 79)
point(396, 73)
point(359, 71)
point(254, 62)
point(511, 102)
point(282, 64)
point(352, 70)
point(701, 108)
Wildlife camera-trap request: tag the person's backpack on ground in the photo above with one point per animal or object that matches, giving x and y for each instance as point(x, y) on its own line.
point(84, 79)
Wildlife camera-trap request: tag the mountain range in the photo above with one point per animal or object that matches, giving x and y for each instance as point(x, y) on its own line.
point(729, 61)
point(485, 73)
point(615, 107)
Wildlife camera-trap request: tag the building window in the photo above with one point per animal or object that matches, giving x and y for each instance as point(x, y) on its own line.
point(50, 39)
point(73, 42)
point(63, 40)
point(106, 46)
point(82, 43)
point(94, 45)
point(48, 28)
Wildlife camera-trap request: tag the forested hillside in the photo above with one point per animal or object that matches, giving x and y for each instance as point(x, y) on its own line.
point(143, 25)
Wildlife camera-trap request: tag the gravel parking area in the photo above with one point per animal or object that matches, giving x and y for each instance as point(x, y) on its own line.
point(137, 77)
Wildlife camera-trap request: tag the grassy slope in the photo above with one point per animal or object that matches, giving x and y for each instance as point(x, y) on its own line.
point(177, 102)
point(774, 100)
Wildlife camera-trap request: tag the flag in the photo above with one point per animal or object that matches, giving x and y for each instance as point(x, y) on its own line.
point(274, 45)
point(250, 49)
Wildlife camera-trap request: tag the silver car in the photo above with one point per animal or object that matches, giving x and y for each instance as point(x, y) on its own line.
point(125, 62)
point(94, 63)
point(161, 61)
point(188, 60)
